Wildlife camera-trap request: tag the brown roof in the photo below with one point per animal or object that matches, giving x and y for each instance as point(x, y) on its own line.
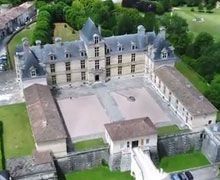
point(45, 119)
point(13, 13)
point(128, 129)
point(184, 91)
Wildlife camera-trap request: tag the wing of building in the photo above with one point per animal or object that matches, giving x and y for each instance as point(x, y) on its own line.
point(47, 126)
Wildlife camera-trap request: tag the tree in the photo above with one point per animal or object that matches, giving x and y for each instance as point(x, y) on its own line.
point(177, 32)
point(213, 94)
point(203, 41)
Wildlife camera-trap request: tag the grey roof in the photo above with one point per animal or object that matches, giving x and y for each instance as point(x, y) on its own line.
point(129, 129)
point(184, 91)
point(140, 40)
point(27, 166)
point(88, 30)
point(59, 50)
point(30, 60)
point(45, 119)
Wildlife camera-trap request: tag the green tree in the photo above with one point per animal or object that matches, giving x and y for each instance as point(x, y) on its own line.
point(177, 32)
point(203, 41)
point(213, 94)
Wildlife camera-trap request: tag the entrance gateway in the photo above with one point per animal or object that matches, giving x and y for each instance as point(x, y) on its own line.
point(96, 77)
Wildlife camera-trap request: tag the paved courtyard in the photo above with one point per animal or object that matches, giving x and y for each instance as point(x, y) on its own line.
point(87, 108)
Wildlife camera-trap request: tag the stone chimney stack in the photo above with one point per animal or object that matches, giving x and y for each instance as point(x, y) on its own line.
point(25, 44)
point(141, 30)
point(58, 41)
point(100, 29)
point(162, 32)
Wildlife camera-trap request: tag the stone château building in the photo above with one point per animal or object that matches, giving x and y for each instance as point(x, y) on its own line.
point(94, 58)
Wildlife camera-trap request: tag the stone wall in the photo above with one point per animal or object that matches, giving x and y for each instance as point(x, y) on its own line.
point(82, 160)
point(179, 143)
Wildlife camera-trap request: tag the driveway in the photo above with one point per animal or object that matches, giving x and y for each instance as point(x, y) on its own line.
point(208, 173)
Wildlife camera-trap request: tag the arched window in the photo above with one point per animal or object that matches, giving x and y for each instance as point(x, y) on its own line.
point(33, 72)
point(96, 38)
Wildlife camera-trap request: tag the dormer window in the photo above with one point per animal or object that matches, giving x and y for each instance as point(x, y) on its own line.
point(52, 57)
point(133, 46)
point(96, 38)
point(68, 55)
point(119, 47)
point(33, 73)
point(164, 55)
point(82, 53)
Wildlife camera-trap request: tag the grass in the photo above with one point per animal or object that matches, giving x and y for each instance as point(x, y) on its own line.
point(17, 39)
point(99, 173)
point(18, 140)
point(183, 161)
point(211, 22)
point(89, 144)
point(192, 76)
point(168, 130)
point(66, 33)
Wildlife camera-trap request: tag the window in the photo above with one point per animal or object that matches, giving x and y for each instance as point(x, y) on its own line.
point(159, 84)
point(82, 53)
point(119, 59)
point(52, 57)
point(33, 73)
point(96, 64)
point(68, 77)
point(142, 142)
point(147, 141)
point(96, 51)
point(132, 57)
point(108, 72)
point(164, 55)
point(83, 76)
point(108, 61)
point(53, 80)
point(210, 121)
point(132, 47)
point(67, 66)
point(119, 70)
point(132, 68)
point(107, 50)
point(68, 55)
point(96, 39)
point(82, 62)
point(164, 89)
point(52, 68)
point(128, 144)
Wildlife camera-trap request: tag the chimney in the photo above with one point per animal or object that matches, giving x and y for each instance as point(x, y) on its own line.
point(25, 44)
point(141, 30)
point(100, 29)
point(58, 41)
point(162, 32)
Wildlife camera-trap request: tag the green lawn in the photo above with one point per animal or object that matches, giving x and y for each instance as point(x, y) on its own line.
point(210, 25)
point(99, 173)
point(17, 39)
point(18, 140)
point(192, 76)
point(89, 144)
point(168, 130)
point(183, 161)
point(66, 33)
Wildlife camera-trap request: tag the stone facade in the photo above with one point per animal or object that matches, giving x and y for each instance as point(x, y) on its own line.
point(179, 143)
point(82, 160)
point(211, 143)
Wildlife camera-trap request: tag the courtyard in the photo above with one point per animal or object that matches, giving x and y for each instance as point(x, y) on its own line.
point(101, 103)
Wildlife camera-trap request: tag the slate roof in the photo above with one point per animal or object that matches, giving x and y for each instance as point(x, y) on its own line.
point(88, 30)
point(184, 91)
point(45, 119)
point(21, 168)
point(129, 129)
point(59, 50)
point(30, 60)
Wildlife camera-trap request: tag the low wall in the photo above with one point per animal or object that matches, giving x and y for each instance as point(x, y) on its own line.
point(82, 160)
point(179, 143)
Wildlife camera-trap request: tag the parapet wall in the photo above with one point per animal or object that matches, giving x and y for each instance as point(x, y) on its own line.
point(179, 143)
point(82, 160)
